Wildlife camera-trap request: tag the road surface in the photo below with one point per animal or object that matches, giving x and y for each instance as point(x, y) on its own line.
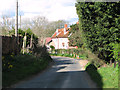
point(64, 73)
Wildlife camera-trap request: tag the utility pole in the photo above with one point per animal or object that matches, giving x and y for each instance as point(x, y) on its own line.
point(16, 20)
point(16, 29)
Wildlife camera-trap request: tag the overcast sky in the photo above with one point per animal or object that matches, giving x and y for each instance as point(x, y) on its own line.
point(51, 9)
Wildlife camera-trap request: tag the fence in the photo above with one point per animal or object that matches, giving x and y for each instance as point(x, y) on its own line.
point(9, 44)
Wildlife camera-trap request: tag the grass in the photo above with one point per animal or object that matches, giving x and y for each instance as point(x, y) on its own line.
point(105, 77)
point(119, 78)
point(17, 68)
point(68, 55)
point(110, 77)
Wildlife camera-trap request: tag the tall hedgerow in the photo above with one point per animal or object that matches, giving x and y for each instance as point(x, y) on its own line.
point(99, 22)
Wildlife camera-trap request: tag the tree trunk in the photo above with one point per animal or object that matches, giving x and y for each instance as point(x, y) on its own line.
point(31, 41)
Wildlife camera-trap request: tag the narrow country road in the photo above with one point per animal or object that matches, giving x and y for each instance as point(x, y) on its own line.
point(65, 73)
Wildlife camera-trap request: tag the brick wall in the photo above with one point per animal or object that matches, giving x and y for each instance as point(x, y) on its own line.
point(9, 44)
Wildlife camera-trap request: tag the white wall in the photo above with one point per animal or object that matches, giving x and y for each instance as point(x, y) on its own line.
point(55, 40)
point(59, 43)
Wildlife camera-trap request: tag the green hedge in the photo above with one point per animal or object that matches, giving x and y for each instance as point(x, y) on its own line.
point(79, 51)
point(99, 24)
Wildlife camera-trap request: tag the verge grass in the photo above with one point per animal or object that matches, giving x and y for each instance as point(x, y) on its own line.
point(105, 77)
point(68, 55)
point(17, 68)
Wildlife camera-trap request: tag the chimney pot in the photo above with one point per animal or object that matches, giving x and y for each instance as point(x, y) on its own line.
point(65, 26)
point(77, 22)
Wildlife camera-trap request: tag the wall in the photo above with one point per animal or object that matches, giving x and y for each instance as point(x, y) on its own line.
point(58, 43)
point(65, 41)
point(9, 45)
point(55, 40)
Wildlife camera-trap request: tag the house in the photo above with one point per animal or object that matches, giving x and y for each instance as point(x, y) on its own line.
point(60, 39)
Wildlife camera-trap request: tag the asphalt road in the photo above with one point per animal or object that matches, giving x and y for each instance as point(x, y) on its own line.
point(64, 73)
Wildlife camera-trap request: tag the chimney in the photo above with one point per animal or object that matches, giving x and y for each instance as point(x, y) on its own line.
point(77, 22)
point(65, 26)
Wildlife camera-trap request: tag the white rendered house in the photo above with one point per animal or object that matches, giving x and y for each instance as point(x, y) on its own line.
point(60, 38)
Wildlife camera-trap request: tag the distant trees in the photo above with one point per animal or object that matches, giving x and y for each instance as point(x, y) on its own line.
point(39, 25)
point(6, 24)
point(43, 28)
point(100, 25)
point(53, 25)
point(39, 28)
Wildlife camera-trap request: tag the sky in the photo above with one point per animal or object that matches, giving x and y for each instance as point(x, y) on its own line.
point(53, 10)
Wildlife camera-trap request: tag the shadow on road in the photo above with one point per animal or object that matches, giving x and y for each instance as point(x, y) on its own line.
point(65, 73)
point(59, 62)
point(94, 74)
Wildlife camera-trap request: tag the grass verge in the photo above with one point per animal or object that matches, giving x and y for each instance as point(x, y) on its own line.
point(17, 68)
point(68, 55)
point(119, 78)
point(105, 77)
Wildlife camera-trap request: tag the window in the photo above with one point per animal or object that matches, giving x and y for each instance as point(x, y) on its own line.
point(63, 44)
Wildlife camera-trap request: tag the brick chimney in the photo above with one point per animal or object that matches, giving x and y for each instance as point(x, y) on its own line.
point(65, 26)
point(77, 22)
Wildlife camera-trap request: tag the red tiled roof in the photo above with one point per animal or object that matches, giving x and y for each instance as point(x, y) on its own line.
point(54, 35)
point(48, 39)
point(61, 33)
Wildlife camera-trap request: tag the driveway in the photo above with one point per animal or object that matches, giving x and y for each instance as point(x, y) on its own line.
point(65, 73)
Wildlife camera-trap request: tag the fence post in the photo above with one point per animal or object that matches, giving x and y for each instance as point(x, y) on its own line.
point(24, 43)
point(31, 41)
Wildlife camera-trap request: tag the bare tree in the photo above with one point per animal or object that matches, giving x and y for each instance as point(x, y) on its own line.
point(39, 27)
point(0, 28)
point(53, 25)
point(42, 27)
point(26, 23)
point(6, 24)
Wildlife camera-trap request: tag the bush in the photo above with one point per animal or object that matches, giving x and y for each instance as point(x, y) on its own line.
point(94, 59)
point(52, 47)
point(18, 67)
point(116, 51)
